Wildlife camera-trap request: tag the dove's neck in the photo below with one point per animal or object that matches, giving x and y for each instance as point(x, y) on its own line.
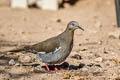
point(68, 34)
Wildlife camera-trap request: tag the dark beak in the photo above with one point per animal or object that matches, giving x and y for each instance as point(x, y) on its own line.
point(80, 28)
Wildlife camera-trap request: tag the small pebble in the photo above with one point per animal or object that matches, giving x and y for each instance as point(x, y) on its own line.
point(76, 56)
point(83, 49)
point(12, 62)
point(76, 77)
point(114, 35)
point(97, 73)
point(58, 20)
point(17, 64)
point(67, 76)
point(99, 59)
point(25, 59)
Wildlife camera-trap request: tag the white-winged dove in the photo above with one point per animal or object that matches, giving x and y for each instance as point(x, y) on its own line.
point(56, 49)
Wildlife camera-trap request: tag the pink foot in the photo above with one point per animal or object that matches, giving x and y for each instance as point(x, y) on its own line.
point(56, 69)
point(47, 68)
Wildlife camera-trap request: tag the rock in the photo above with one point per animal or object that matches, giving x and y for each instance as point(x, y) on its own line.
point(114, 35)
point(39, 66)
point(98, 73)
point(76, 56)
point(105, 51)
point(12, 62)
point(84, 49)
point(28, 69)
point(67, 76)
point(25, 59)
point(39, 69)
point(100, 42)
point(99, 59)
point(17, 64)
point(58, 20)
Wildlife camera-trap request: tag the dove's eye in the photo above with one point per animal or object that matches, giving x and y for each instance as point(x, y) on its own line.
point(73, 24)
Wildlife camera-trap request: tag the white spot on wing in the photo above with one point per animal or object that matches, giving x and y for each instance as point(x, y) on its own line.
point(57, 49)
point(41, 52)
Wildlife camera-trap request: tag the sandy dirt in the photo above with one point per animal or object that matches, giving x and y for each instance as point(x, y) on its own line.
point(96, 52)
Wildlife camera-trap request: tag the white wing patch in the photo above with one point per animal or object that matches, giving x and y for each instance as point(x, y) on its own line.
point(57, 49)
point(41, 52)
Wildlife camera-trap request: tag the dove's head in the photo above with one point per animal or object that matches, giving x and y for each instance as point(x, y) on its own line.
point(73, 25)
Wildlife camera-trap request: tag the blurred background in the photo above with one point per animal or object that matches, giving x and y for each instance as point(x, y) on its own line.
point(24, 22)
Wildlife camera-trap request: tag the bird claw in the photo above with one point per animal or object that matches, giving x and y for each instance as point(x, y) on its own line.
point(55, 68)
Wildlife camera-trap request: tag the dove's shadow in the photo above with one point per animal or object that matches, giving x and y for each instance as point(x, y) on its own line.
point(66, 66)
point(33, 65)
point(63, 66)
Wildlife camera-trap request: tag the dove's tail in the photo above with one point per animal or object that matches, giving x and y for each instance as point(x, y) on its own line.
point(15, 50)
point(25, 48)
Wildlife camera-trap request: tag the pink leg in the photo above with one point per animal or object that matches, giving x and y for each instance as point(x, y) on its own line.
point(47, 68)
point(56, 69)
